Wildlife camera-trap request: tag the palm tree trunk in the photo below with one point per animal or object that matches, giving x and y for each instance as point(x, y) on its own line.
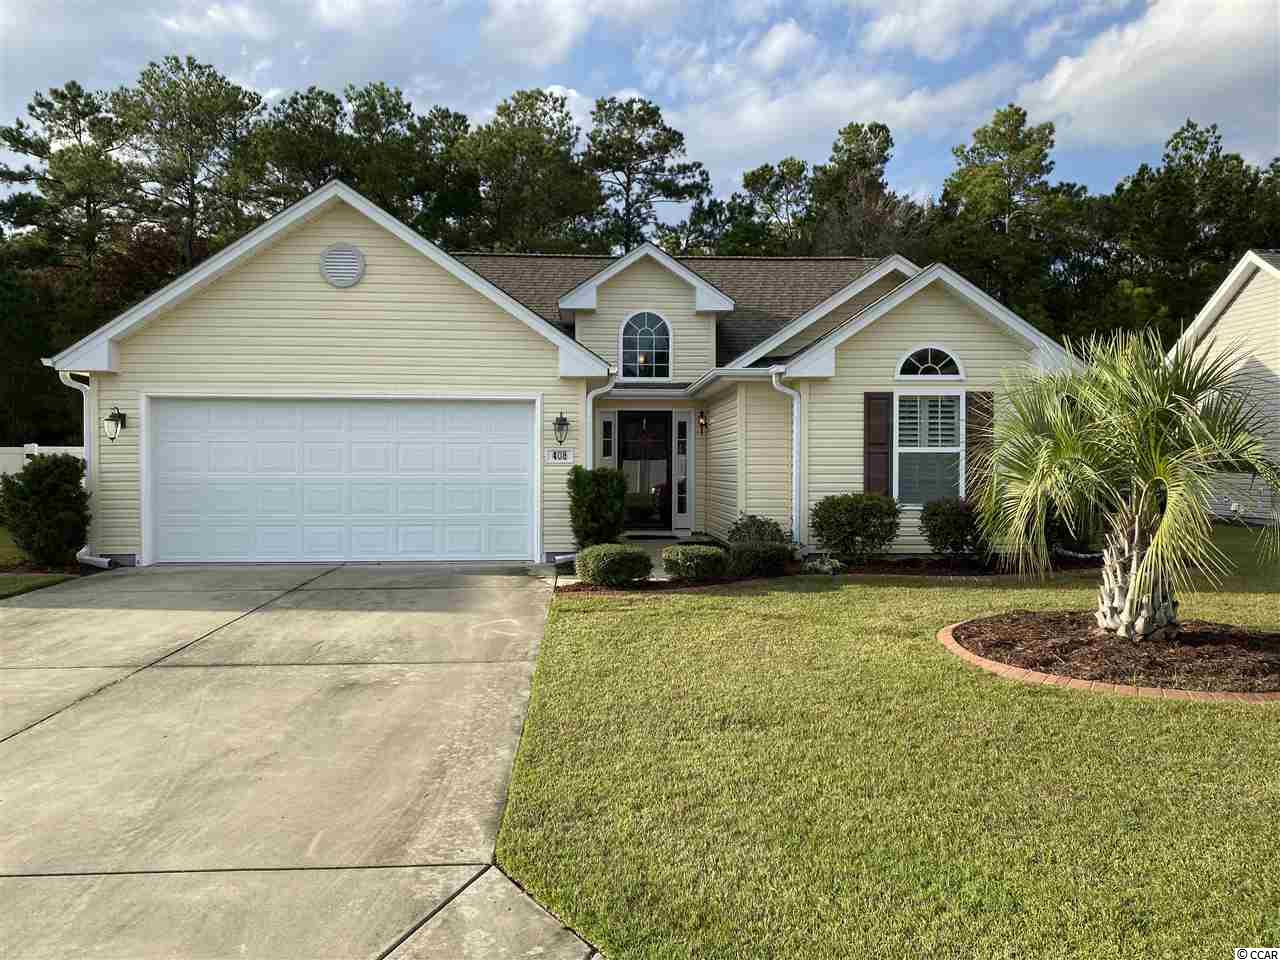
point(1150, 613)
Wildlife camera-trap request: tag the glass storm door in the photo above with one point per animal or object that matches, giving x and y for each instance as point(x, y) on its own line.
point(644, 457)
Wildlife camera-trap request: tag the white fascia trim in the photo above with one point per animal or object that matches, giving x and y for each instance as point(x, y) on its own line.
point(818, 360)
point(707, 299)
point(1236, 280)
point(877, 273)
point(731, 373)
point(97, 351)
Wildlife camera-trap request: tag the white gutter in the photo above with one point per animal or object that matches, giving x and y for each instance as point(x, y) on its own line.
point(589, 428)
point(776, 373)
point(726, 373)
point(83, 555)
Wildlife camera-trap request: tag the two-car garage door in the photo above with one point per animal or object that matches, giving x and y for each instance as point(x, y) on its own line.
point(296, 480)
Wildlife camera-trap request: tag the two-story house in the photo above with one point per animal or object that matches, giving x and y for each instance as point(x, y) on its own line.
point(335, 387)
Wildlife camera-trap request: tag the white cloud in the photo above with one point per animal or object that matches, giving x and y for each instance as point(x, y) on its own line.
point(355, 14)
point(539, 33)
point(1043, 37)
point(219, 19)
point(939, 29)
point(781, 44)
point(752, 11)
point(1134, 84)
point(1066, 25)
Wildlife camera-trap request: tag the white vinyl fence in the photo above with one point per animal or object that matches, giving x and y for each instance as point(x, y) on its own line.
point(12, 458)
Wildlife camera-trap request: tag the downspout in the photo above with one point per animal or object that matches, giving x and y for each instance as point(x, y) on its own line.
point(83, 555)
point(778, 385)
point(589, 429)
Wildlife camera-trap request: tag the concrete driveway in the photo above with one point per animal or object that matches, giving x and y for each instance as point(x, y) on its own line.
point(266, 761)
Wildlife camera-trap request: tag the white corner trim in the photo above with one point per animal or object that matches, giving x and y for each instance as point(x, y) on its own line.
point(707, 298)
point(929, 378)
point(1221, 298)
point(97, 350)
point(818, 359)
point(877, 273)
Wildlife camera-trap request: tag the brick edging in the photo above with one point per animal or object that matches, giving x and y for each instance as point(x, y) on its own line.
point(1033, 677)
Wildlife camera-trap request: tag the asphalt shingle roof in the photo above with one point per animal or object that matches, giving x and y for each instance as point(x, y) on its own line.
point(768, 292)
point(1271, 256)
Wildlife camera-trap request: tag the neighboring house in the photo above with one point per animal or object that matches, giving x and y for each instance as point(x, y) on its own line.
point(335, 387)
point(1244, 313)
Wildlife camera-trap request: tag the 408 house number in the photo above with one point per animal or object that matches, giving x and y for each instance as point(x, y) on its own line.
point(559, 455)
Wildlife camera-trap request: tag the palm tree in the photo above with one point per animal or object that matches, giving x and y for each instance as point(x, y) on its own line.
point(1132, 439)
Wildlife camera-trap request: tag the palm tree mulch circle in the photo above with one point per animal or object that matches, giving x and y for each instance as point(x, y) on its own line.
point(1204, 661)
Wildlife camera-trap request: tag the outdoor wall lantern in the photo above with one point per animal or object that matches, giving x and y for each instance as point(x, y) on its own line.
point(702, 421)
point(113, 423)
point(561, 423)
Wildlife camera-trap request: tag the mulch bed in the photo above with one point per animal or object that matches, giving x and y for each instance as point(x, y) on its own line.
point(656, 586)
point(959, 566)
point(1204, 656)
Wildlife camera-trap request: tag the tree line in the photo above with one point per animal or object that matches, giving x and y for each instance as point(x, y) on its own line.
point(120, 191)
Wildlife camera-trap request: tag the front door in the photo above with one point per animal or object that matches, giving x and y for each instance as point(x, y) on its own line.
point(644, 457)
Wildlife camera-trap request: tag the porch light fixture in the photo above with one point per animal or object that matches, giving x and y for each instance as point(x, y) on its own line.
point(113, 423)
point(702, 421)
point(561, 423)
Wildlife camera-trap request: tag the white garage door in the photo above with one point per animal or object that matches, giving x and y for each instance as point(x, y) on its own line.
point(341, 480)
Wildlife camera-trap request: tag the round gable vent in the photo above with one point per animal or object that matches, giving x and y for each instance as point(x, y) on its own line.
point(342, 265)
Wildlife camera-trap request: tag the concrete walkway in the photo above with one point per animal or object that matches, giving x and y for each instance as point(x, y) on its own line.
point(267, 761)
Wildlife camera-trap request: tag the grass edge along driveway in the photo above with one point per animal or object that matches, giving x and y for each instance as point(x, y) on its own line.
point(796, 768)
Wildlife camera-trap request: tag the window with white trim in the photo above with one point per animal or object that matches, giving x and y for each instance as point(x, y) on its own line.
point(929, 362)
point(929, 448)
point(606, 438)
point(646, 348)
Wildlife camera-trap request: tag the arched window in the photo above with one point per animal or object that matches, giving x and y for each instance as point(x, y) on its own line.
point(929, 362)
point(646, 347)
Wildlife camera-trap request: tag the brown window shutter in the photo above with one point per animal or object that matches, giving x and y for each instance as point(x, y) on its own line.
point(978, 409)
point(877, 443)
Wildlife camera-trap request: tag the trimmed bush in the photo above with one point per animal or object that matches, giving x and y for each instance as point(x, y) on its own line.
point(855, 526)
point(759, 558)
point(951, 527)
point(612, 564)
point(46, 508)
point(695, 562)
point(756, 529)
point(597, 504)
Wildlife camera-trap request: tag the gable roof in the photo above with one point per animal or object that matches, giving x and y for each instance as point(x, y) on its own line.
point(818, 358)
point(1252, 262)
point(706, 296)
point(768, 292)
point(97, 351)
point(885, 267)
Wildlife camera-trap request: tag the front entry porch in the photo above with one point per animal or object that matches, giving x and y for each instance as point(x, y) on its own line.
point(654, 449)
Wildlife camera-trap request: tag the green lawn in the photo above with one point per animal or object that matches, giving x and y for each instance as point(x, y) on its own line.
point(797, 769)
point(13, 584)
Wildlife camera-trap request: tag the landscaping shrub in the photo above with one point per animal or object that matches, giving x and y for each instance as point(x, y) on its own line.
point(756, 529)
point(597, 504)
point(855, 526)
point(826, 565)
point(46, 508)
point(695, 562)
point(951, 527)
point(755, 558)
point(612, 564)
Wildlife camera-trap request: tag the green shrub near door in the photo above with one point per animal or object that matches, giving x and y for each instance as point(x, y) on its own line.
point(759, 558)
point(597, 504)
point(695, 561)
point(612, 564)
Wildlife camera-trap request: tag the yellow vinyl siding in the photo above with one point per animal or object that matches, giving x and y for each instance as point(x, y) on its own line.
point(646, 285)
point(723, 461)
point(867, 362)
point(766, 452)
point(838, 315)
point(1252, 322)
point(273, 327)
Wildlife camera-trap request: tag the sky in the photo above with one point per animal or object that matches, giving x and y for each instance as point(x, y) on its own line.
point(747, 81)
